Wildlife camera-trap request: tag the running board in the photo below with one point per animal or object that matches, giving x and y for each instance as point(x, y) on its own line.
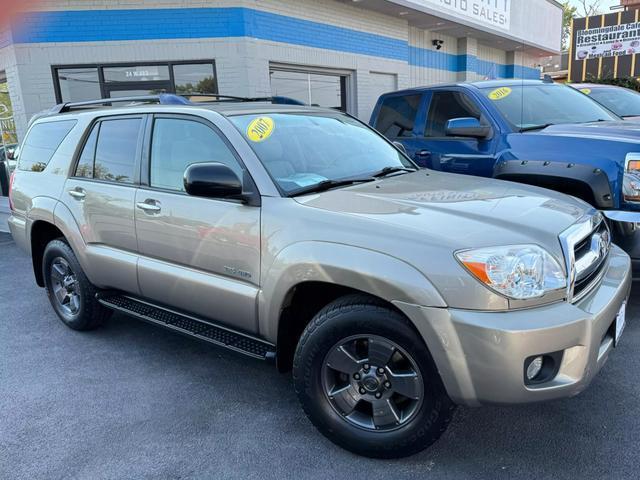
point(188, 325)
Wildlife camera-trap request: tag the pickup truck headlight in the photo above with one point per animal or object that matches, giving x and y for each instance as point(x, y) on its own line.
point(631, 180)
point(515, 271)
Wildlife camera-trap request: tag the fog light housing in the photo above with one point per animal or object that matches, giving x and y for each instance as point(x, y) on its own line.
point(534, 368)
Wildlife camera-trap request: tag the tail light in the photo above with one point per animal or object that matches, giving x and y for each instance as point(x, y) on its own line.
point(13, 174)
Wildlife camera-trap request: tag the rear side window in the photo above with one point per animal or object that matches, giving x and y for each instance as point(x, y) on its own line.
point(446, 106)
point(110, 151)
point(41, 143)
point(397, 115)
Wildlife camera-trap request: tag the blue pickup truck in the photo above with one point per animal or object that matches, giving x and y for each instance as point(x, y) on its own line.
point(530, 131)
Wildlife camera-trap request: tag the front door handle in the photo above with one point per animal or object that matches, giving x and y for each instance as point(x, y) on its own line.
point(78, 193)
point(423, 153)
point(149, 206)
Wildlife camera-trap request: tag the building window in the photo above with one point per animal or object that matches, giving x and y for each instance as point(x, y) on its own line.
point(7, 124)
point(89, 82)
point(78, 84)
point(136, 73)
point(195, 78)
point(314, 87)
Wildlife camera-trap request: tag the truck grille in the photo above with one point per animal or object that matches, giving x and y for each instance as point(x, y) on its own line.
point(586, 246)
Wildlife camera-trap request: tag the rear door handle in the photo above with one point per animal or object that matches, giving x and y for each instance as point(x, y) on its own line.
point(149, 206)
point(78, 193)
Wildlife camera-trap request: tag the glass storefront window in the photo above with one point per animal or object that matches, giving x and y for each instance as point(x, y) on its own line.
point(319, 89)
point(79, 84)
point(90, 82)
point(7, 125)
point(140, 73)
point(194, 78)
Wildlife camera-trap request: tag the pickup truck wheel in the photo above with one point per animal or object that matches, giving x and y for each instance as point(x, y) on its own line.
point(368, 382)
point(70, 292)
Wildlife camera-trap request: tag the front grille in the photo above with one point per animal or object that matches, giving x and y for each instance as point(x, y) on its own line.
point(586, 246)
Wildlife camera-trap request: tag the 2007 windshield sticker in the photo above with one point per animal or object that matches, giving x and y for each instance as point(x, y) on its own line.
point(500, 93)
point(260, 129)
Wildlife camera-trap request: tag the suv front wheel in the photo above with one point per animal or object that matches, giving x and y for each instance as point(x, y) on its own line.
point(69, 290)
point(367, 381)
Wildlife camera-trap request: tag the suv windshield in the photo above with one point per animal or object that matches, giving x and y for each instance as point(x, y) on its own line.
point(532, 106)
point(301, 150)
point(623, 102)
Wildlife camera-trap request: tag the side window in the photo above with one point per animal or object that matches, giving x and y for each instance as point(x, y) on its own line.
point(446, 106)
point(41, 143)
point(177, 143)
point(398, 115)
point(85, 163)
point(116, 150)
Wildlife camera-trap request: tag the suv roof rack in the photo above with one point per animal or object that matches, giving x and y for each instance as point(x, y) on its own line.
point(170, 99)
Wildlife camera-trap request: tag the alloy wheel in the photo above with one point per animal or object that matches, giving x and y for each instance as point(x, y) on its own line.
point(372, 382)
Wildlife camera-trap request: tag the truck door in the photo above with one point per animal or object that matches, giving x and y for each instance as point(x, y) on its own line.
point(469, 156)
point(396, 116)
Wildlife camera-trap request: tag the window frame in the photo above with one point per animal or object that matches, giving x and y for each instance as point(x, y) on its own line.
point(104, 86)
point(145, 163)
point(96, 122)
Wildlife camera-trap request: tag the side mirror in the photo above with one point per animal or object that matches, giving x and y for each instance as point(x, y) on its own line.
point(11, 153)
point(212, 180)
point(400, 147)
point(467, 127)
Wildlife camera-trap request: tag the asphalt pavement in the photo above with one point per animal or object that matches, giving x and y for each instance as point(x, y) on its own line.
point(133, 401)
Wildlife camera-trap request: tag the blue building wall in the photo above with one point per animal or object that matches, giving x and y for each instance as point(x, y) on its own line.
point(194, 23)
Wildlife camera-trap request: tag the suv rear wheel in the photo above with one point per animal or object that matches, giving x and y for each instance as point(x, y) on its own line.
point(70, 292)
point(367, 381)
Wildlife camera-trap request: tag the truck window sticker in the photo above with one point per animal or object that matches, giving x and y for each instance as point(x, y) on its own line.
point(500, 93)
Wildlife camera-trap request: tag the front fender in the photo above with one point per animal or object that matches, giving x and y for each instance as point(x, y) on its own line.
point(371, 272)
point(541, 173)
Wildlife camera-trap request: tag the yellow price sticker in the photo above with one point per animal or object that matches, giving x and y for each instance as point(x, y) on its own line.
point(586, 91)
point(260, 129)
point(500, 93)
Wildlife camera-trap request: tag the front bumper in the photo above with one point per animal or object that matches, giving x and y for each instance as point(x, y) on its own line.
point(481, 355)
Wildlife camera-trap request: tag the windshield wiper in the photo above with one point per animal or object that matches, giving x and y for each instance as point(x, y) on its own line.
point(328, 185)
point(535, 127)
point(389, 170)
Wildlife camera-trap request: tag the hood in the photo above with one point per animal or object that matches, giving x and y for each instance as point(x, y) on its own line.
point(622, 131)
point(456, 210)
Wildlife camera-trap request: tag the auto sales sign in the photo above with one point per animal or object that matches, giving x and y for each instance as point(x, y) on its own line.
point(614, 40)
point(494, 13)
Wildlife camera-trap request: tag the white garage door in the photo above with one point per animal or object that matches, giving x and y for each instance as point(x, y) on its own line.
point(379, 83)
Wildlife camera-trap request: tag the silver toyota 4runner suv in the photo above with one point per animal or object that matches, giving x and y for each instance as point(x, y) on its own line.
point(300, 235)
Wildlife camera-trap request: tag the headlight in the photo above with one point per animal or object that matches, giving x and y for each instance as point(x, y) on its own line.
point(515, 271)
point(631, 180)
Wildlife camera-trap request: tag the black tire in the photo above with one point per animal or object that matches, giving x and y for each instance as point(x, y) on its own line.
point(356, 316)
point(85, 313)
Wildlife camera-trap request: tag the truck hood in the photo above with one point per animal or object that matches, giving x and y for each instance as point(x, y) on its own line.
point(456, 210)
point(622, 131)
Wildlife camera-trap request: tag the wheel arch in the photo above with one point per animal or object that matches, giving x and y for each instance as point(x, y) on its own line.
point(307, 276)
point(586, 182)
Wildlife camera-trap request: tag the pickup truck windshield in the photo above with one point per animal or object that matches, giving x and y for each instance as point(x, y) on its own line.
point(623, 102)
point(529, 106)
point(302, 150)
